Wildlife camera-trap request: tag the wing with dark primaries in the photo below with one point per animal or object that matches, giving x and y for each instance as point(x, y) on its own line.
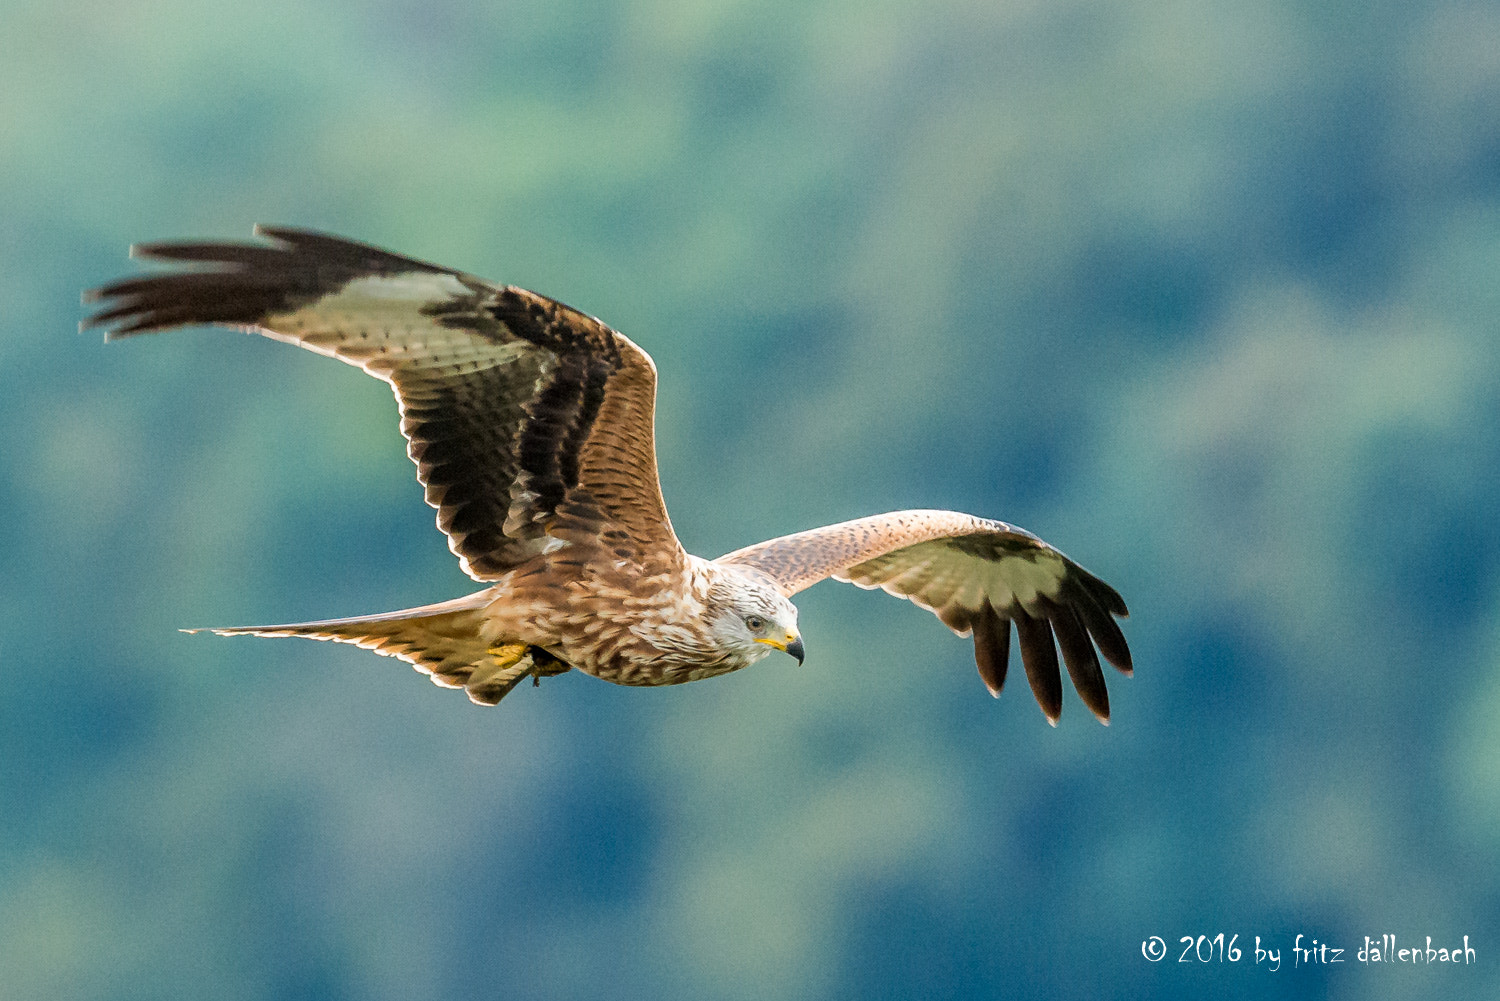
point(531, 423)
point(979, 577)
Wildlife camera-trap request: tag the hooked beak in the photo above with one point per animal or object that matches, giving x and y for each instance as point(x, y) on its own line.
point(793, 645)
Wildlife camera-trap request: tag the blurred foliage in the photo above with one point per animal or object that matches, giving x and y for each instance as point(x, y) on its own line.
point(1204, 293)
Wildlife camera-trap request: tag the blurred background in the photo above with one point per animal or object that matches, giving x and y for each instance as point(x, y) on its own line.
point(1203, 293)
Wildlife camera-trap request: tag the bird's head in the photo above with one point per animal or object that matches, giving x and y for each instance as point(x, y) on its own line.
point(749, 617)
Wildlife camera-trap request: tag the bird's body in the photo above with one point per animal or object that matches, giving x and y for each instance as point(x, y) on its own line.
point(532, 427)
point(647, 641)
point(530, 624)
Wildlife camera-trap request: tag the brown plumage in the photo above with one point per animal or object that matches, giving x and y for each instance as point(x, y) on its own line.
point(532, 427)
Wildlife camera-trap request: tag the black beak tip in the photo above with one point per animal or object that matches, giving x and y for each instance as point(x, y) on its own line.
point(795, 649)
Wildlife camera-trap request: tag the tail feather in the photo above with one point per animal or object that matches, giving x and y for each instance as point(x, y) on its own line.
point(444, 641)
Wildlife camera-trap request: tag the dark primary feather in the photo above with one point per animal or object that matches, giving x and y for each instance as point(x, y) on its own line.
point(1085, 594)
point(991, 647)
point(1079, 657)
point(1039, 657)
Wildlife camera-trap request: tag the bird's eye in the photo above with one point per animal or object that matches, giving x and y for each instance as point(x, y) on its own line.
point(755, 622)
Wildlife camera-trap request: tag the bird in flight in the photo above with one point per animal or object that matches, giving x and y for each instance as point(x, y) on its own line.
point(532, 428)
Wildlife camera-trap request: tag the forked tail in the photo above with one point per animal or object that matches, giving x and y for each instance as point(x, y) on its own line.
point(446, 641)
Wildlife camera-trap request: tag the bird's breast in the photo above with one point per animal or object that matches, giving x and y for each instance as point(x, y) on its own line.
point(625, 628)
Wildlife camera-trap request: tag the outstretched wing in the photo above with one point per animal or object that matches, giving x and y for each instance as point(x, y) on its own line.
point(978, 576)
point(531, 423)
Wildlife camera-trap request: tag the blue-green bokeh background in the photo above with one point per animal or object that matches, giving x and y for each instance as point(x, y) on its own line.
point(1204, 292)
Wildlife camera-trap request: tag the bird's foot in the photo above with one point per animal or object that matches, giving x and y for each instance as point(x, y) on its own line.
point(544, 665)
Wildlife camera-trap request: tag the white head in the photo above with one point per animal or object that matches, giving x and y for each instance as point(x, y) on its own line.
point(749, 617)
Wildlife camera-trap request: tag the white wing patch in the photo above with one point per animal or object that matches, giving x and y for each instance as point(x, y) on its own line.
point(934, 575)
point(376, 323)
